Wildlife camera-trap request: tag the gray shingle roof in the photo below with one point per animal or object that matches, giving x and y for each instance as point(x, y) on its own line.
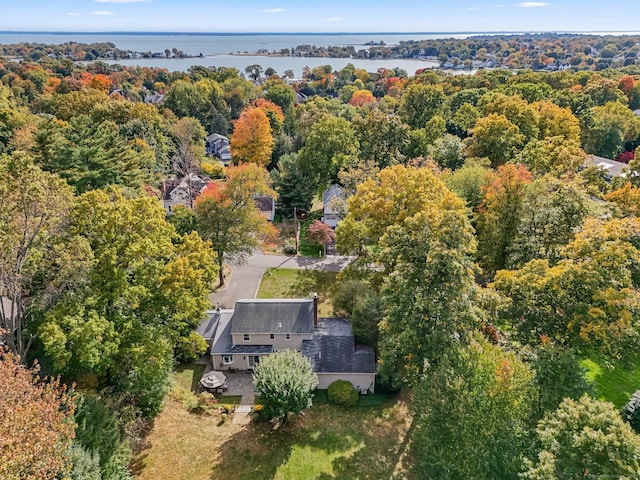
point(207, 328)
point(273, 315)
point(332, 349)
point(332, 192)
point(222, 339)
point(264, 349)
point(612, 168)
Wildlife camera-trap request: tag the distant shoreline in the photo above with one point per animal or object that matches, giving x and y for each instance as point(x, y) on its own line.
point(336, 34)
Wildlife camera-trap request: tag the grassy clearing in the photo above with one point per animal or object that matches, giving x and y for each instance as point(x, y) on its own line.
point(188, 375)
point(291, 283)
point(615, 382)
point(327, 442)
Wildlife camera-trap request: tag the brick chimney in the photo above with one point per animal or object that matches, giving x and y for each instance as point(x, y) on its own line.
point(315, 309)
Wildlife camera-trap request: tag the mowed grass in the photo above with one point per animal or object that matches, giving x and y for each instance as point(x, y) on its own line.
point(187, 375)
point(614, 382)
point(326, 442)
point(291, 283)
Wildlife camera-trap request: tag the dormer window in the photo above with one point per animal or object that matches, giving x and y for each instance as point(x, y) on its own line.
point(246, 337)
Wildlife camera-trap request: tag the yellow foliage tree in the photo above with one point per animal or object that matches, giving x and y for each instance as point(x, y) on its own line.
point(252, 140)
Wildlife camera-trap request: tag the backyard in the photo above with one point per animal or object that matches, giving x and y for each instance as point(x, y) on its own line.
point(327, 442)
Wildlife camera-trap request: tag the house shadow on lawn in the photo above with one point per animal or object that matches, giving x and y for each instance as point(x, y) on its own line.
point(329, 442)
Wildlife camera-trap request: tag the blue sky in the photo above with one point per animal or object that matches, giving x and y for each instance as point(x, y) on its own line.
point(320, 16)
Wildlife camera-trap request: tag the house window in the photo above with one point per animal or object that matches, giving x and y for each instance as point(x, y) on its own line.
point(272, 336)
point(288, 336)
point(227, 359)
point(246, 337)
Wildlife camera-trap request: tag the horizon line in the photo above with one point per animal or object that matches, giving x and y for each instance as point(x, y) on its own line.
point(462, 32)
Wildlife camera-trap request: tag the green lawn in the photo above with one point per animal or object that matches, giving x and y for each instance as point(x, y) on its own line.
point(188, 375)
point(614, 381)
point(328, 442)
point(291, 283)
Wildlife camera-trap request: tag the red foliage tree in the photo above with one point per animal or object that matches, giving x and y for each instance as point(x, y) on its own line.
point(320, 233)
point(36, 423)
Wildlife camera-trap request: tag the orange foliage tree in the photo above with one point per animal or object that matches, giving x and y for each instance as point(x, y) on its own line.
point(36, 423)
point(100, 82)
point(361, 97)
point(252, 140)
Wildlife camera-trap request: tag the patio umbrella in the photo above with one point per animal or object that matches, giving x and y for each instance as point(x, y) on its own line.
point(213, 379)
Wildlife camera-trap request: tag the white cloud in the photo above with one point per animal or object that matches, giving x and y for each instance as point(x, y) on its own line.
point(273, 10)
point(531, 4)
point(102, 13)
point(73, 14)
point(335, 19)
point(122, 1)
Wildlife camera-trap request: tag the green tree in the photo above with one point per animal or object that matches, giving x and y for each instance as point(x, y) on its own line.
point(419, 103)
point(279, 93)
point(611, 126)
point(286, 383)
point(382, 138)
point(330, 147)
point(468, 181)
point(141, 277)
point(292, 185)
point(497, 138)
point(471, 415)
point(585, 438)
point(34, 211)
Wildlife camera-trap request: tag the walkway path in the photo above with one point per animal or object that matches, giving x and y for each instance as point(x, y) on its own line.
point(245, 278)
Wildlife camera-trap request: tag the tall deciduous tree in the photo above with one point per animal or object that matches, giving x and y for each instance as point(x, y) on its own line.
point(286, 383)
point(419, 103)
point(471, 416)
point(228, 217)
point(496, 138)
point(499, 215)
point(585, 438)
point(36, 423)
point(34, 208)
point(589, 300)
point(252, 140)
point(330, 147)
point(146, 290)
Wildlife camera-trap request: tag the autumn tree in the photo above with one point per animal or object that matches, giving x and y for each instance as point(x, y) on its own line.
point(626, 199)
point(361, 98)
point(419, 103)
point(588, 299)
point(421, 237)
point(320, 233)
point(252, 140)
point(554, 155)
point(36, 423)
point(33, 211)
point(149, 300)
point(497, 138)
point(585, 438)
point(515, 109)
point(499, 215)
point(227, 216)
point(471, 417)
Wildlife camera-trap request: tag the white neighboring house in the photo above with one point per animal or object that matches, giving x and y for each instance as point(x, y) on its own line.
point(182, 191)
point(240, 338)
point(218, 146)
point(334, 204)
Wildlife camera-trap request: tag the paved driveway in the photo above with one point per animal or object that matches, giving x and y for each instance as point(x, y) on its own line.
point(245, 278)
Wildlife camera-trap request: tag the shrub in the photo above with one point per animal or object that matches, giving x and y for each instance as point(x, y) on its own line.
point(201, 403)
point(341, 392)
point(290, 249)
point(631, 411)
